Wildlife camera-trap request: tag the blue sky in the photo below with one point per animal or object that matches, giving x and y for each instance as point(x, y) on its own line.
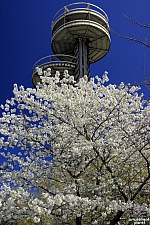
point(25, 37)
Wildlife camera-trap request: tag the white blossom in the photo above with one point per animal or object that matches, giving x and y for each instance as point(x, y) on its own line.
point(36, 219)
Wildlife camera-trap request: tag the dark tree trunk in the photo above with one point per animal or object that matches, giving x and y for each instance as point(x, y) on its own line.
point(116, 218)
point(78, 220)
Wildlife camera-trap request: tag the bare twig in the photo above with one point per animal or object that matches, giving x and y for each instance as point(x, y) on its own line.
point(135, 22)
point(140, 41)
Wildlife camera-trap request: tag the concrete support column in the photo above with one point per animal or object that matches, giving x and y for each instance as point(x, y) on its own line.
point(81, 54)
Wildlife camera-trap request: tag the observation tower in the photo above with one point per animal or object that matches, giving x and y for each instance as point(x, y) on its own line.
point(80, 37)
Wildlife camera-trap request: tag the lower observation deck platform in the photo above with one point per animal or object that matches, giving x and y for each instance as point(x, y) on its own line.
point(55, 64)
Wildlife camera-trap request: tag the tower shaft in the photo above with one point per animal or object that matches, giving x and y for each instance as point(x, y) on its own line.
point(81, 59)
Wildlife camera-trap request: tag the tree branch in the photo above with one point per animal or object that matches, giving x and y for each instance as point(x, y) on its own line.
point(135, 22)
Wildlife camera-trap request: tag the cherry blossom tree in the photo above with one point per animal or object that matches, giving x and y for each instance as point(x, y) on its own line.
point(75, 153)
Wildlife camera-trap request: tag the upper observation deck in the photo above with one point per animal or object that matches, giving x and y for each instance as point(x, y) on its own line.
point(81, 20)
